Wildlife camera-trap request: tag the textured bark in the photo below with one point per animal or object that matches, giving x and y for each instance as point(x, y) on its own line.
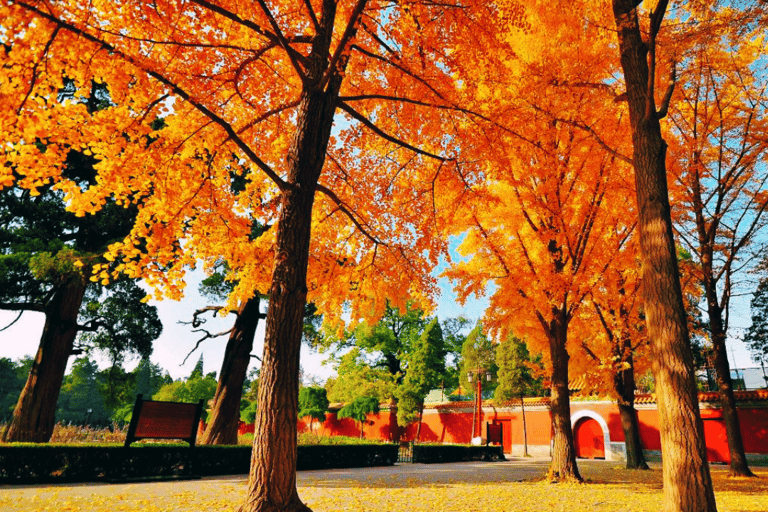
point(634, 447)
point(272, 480)
point(738, 465)
point(34, 415)
point(624, 385)
point(687, 481)
point(421, 418)
point(563, 465)
point(525, 428)
point(225, 413)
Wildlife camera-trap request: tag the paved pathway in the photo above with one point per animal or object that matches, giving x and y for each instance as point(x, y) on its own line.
point(145, 495)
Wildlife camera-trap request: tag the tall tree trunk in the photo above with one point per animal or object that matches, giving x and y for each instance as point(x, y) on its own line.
point(272, 480)
point(421, 418)
point(632, 442)
point(225, 413)
point(738, 466)
point(687, 481)
point(35, 412)
point(563, 465)
point(394, 428)
point(707, 233)
point(624, 386)
point(525, 428)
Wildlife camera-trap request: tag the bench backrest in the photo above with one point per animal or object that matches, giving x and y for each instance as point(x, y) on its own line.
point(164, 420)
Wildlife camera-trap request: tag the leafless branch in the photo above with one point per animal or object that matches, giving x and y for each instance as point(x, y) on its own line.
point(22, 306)
point(13, 322)
point(207, 336)
point(197, 321)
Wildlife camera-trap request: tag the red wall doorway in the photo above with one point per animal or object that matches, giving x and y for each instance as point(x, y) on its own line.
point(588, 436)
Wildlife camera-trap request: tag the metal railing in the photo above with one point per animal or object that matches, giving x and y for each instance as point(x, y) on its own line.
point(405, 454)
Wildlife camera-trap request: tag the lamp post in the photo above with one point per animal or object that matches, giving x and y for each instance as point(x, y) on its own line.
point(478, 375)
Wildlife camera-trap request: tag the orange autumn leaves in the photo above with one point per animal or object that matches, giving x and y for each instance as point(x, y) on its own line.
point(203, 110)
point(495, 122)
point(551, 231)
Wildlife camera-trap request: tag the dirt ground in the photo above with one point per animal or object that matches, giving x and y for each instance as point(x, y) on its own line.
point(515, 485)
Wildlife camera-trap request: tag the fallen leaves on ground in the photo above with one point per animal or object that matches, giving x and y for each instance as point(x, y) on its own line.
point(608, 488)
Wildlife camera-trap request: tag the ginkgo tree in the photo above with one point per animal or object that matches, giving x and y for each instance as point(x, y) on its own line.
point(261, 84)
point(552, 217)
point(720, 151)
point(617, 347)
point(643, 60)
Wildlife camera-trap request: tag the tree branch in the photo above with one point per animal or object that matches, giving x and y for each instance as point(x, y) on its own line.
point(664, 108)
point(589, 352)
point(349, 33)
point(279, 182)
point(378, 131)
point(282, 41)
point(656, 16)
point(22, 306)
point(268, 114)
point(312, 15)
point(197, 321)
point(237, 19)
point(589, 130)
point(13, 322)
point(455, 108)
point(208, 335)
point(343, 207)
point(34, 69)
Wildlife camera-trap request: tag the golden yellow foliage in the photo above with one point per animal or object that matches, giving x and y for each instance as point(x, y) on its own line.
point(610, 489)
point(199, 96)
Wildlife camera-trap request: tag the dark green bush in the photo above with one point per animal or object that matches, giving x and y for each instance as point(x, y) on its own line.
point(62, 463)
point(430, 453)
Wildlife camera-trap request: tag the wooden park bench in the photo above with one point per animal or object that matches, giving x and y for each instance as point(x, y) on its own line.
point(159, 420)
point(164, 420)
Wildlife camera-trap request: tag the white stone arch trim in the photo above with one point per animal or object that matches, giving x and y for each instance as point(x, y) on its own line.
point(587, 413)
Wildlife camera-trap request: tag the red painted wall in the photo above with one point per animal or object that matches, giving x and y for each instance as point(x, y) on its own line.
point(452, 423)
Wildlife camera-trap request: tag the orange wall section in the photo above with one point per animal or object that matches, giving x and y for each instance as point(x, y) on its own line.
point(452, 423)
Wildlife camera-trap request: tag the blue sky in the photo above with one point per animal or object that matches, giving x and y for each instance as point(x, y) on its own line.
point(177, 340)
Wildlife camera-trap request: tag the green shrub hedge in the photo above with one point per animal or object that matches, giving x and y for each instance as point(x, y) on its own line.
point(67, 463)
point(430, 453)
